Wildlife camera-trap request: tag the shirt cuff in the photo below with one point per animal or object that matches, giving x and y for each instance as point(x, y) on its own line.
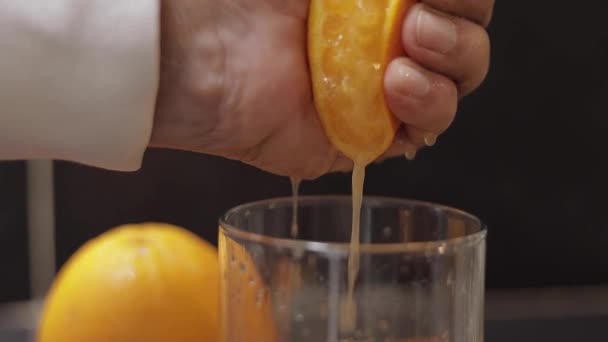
point(79, 80)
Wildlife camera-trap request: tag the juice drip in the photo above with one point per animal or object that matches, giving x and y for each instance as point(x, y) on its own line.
point(295, 268)
point(349, 309)
point(295, 188)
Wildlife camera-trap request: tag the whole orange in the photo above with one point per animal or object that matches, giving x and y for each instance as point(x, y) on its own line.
point(136, 283)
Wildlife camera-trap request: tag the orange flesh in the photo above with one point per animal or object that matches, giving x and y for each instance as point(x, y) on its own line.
point(351, 43)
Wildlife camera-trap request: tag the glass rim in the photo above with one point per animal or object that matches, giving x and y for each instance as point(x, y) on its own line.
point(343, 248)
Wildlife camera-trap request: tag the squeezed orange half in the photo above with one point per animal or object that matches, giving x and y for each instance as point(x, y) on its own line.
point(350, 43)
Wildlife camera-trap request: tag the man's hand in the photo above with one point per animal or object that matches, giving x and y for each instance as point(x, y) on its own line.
point(235, 83)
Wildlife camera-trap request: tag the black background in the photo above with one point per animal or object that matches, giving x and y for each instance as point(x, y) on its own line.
point(13, 233)
point(526, 154)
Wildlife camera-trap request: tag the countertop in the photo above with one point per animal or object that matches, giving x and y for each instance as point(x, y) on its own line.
point(528, 315)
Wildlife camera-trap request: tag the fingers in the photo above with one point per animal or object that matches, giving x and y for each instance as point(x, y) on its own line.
point(478, 11)
point(424, 101)
point(402, 146)
point(448, 53)
point(449, 45)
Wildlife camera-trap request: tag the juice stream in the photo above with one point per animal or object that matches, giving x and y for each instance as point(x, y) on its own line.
point(349, 309)
point(295, 187)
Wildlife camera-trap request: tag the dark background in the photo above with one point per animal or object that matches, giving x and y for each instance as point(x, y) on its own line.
point(526, 154)
point(14, 276)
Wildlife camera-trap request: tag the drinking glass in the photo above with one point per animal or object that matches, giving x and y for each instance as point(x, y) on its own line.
point(421, 278)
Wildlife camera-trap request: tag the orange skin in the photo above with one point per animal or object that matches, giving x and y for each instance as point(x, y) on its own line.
point(152, 283)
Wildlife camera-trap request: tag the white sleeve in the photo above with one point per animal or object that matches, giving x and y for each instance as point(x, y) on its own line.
point(78, 80)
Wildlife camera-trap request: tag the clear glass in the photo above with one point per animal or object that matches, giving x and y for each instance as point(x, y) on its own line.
point(421, 277)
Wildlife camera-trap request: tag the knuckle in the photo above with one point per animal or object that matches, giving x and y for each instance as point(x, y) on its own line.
point(475, 61)
point(449, 105)
point(486, 17)
point(479, 11)
point(447, 90)
point(407, 109)
point(475, 42)
point(438, 110)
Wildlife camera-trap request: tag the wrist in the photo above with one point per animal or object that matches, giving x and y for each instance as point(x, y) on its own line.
point(191, 87)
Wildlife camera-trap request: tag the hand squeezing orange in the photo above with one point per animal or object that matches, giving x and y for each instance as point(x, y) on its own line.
point(351, 42)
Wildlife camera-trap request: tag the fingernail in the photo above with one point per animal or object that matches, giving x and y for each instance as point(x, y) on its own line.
point(430, 139)
point(435, 32)
point(413, 82)
point(410, 155)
